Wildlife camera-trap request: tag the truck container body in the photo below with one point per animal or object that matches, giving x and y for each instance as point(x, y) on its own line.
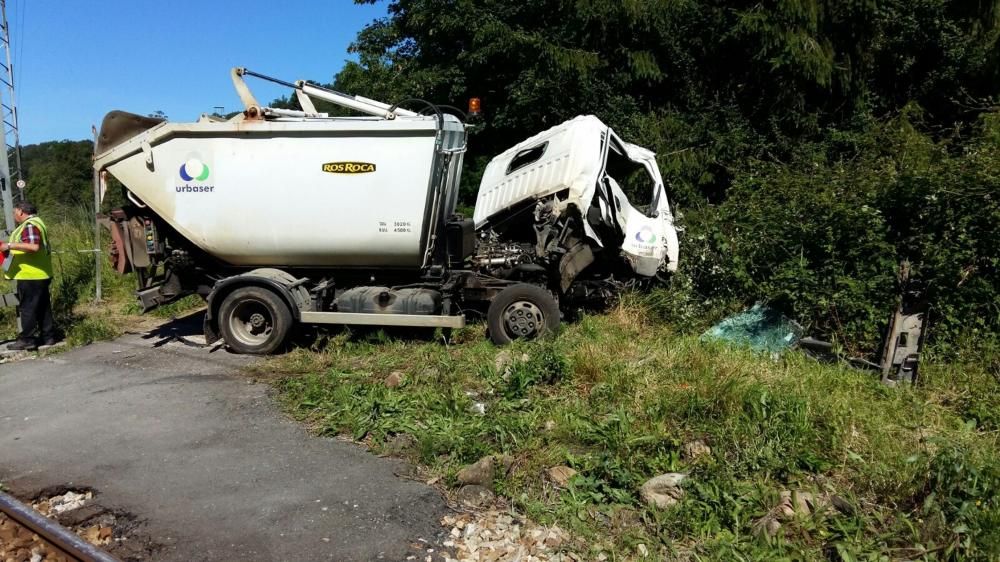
point(318, 193)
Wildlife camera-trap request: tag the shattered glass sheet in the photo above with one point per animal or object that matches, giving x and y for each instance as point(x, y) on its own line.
point(759, 328)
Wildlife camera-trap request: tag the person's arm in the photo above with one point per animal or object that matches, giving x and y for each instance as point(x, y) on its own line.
point(20, 246)
point(31, 241)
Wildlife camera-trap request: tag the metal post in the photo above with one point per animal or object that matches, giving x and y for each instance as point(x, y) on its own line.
point(8, 126)
point(8, 120)
point(14, 129)
point(97, 225)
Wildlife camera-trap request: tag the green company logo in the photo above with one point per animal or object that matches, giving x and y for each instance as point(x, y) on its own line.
point(348, 167)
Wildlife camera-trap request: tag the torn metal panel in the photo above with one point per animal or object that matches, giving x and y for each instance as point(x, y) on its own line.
point(901, 355)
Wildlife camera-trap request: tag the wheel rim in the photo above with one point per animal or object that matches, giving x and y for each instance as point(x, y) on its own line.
point(251, 322)
point(523, 319)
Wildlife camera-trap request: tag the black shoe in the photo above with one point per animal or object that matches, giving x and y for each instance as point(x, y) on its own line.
point(22, 345)
point(49, 342)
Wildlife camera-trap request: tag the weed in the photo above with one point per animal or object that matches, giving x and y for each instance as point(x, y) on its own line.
point(90, 329)
point(616, 397)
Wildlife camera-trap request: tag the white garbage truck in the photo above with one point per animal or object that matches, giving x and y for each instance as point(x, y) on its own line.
point(278, 217)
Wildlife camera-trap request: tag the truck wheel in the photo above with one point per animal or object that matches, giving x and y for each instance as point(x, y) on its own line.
point(254, 320)
point(522, 311)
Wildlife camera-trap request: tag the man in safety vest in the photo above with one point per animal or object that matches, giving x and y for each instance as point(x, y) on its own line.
point(28, 260)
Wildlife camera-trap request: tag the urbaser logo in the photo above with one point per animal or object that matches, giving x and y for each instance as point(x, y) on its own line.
point(194, 170)
point(645, 235)
point(349, 167)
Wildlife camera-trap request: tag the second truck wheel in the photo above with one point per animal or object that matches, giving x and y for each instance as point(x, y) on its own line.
point(254, 320)
point(522, 311)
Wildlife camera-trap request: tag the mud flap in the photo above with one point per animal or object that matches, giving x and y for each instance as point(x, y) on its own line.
point(120, 251)
point(211, 332)
point(573, 262)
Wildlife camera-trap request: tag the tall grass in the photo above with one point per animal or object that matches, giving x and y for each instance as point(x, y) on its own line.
point(71, 238)
point(617, 396)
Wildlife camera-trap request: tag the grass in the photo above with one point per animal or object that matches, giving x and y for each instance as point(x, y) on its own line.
point(621, 393)
point(73, 288)
point(616, 397)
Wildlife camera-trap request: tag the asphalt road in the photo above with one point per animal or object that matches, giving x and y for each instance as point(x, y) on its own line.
point(167, 432)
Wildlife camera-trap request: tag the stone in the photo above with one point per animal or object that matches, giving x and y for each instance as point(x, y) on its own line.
point(474, 496)
point(664, 490)
point(550, 425)
point(842, 505)
point(394, 380)
point(794, 504)
point(493, 535)
point(480, 473)
point(506, 462)
point(561, 475)
point(68, 501)
point(642, 550)
point(766, 526)
point(784, 510)
point(803, 503)
point(82, 515)
point(505, 360)
point(555, 537)
point(400, 444)
point(695, 449)
point(790, 505)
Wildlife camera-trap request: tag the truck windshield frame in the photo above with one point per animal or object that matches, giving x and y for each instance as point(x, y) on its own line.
point(633, 177)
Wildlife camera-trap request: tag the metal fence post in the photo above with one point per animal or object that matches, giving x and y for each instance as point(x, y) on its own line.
point(97, 226)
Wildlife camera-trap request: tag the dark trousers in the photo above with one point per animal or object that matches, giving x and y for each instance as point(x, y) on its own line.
point(35, 309)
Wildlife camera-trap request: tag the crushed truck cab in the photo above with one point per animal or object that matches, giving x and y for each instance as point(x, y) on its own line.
point(579, 167)
point(284, 217)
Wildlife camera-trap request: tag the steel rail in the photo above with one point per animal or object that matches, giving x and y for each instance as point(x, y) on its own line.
point(57, 535)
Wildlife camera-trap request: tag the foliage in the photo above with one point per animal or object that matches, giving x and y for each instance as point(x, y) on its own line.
point(822, 236)
point(59, 176)
point(811, 145)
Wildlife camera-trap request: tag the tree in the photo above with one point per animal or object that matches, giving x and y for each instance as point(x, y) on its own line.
point(777, 125)
point(59, 175)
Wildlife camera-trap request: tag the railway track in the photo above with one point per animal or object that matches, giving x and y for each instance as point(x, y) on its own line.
point(60, 539)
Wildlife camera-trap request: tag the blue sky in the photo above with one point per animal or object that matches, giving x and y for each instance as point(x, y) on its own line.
point(75, 60)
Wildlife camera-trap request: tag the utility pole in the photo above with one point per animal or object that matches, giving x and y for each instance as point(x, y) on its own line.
point(8, 114)
point(10, 164)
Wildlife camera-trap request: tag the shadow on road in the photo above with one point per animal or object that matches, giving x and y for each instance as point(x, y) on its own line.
point(188, 330)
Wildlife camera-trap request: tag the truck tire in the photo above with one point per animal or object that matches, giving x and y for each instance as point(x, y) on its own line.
point(522, 311)
point(254, 321)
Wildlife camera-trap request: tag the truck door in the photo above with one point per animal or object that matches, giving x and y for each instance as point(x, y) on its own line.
point(649, 236)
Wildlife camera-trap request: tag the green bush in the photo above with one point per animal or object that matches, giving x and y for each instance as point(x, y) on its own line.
point(822, 237)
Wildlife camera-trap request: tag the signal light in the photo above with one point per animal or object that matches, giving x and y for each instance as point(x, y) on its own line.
point(475, 107)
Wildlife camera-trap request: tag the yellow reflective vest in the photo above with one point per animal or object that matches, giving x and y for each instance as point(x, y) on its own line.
point(29, 266)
